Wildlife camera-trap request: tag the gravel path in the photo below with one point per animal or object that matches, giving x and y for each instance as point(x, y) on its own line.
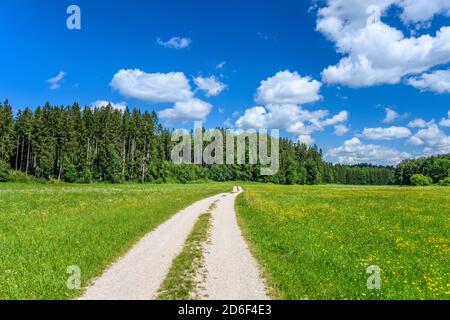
point(139, 274)
point(232, 272)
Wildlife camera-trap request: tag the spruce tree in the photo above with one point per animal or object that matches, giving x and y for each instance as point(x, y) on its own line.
point(112, 165)
point(7, 141)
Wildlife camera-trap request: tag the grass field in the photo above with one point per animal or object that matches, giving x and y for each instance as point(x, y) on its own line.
point(46, 228)
point(180, 283)
point(312, 242)
point(317, 242)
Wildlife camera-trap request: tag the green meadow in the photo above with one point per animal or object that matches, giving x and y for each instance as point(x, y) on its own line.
point(312, 242)
point(317, 242)
point(46, 228)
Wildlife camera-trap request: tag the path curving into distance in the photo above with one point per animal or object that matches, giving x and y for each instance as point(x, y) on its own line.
point(231, 271)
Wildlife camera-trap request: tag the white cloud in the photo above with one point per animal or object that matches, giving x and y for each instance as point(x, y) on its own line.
point(152, 87)
point(255, 117)
point(228, 124)
point(437, 81)
point(190, 110)
point(175, 43)
point(294, 119)
point(221, 65)
point(354, 151)
point(391, 115)
point(433, 139)
point(211, 85)
point(423, 10)
point(171, 87)
point(55, 82)
point(391, 133)
point(420, 123)
point(417, 123)
point(376, 53)
point(121, 106)
point(339, 118)
point(341, 130)
point(306, 139)
point(445, 122)
point(281, 96)
point(288, 88)
point(354, 14)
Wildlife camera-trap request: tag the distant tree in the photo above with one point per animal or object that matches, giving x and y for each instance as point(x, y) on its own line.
point(24, 130)
point(419, 180)
point(84, 174)
point(70, 173)
point(405, 170)
point(112, 166)
point(302, 176)
point(436, 167)
point(105, 144)
point(6, 132)
point(313, 173)
point(445, 182)
point(328, 174)
point(292, 176)
point(4, 171)
point(43, 142)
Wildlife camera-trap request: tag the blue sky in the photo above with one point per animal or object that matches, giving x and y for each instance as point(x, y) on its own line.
point(246, 64)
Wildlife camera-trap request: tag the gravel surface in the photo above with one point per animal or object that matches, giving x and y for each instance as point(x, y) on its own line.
point(139, 274)
point(232, 272)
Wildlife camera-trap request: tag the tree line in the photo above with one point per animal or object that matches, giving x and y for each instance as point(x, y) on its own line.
point(84, 145)
point(424, 171)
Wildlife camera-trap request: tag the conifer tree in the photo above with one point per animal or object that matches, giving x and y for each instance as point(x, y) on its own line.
point(6, 132)
point(105, 144)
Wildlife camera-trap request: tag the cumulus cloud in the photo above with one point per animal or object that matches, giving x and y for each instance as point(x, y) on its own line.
point(152, 87)
point(341, 130)
point(417, 123)
point(121, 106)
point(293, 118)
point(391, 133)
point(437, 81)
point(339, 118)
point(256, 117)
point(55, 82)
point(376, 53)
point(306, 139)
point(354, 151)
point(423, 10)
point(288, 88)
point(420, 123)
point(190, 110)
point(391, 115)
point(281, 96)
point(433, 139)
point(171, 87)
point(210, 85)
point(445, 122)
point(175, 43)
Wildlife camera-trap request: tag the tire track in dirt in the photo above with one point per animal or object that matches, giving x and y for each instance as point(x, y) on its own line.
point(139, 273)
point(231, 271)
